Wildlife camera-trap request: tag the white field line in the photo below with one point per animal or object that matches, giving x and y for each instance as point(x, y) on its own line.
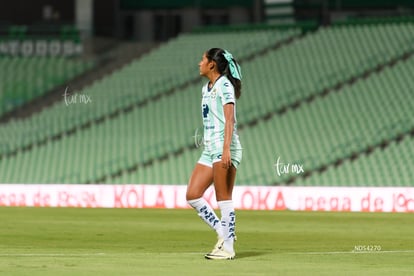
point(194, 253)
point(51, 254)
point(92, 254)
point(353, 252)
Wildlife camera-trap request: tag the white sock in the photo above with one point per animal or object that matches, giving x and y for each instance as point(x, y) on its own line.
point(228, 223)
point(206, 213)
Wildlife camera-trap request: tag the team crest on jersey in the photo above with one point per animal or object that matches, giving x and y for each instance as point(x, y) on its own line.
point(213, 94)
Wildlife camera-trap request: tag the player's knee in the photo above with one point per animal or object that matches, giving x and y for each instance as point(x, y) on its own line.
point(190, 195)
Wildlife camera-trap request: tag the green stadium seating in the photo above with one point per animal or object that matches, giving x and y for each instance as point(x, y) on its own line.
point(386, 167)
point(169, 66)
point(314, 134)
point(324, 58)
point(26, 78)
point(319, 133)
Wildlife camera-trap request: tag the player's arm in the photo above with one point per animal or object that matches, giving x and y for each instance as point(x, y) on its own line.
point(228, 134)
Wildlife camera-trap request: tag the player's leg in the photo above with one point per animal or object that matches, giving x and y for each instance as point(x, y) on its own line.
point(223, 179)
point(200, 180)
point(223, 183)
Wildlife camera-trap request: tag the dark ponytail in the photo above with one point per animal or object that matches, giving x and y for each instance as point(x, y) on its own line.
point(217, 55)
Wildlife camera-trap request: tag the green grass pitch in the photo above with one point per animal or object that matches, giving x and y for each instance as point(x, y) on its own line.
point(67, 241)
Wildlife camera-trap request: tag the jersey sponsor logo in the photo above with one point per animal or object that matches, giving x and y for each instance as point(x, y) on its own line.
point(226, 84)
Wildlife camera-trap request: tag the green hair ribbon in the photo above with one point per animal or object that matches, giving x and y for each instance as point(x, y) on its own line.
point(234, 68)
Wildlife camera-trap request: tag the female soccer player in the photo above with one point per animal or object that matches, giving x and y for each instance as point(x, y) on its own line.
point(222, 149)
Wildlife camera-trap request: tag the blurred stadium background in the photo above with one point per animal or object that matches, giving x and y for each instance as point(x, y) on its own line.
point(108, 91)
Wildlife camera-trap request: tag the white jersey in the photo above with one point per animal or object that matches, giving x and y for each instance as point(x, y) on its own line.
point(212, 106)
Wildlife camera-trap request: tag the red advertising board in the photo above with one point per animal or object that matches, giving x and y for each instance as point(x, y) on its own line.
point(338, 199)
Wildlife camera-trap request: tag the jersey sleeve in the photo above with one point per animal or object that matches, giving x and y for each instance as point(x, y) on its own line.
point(227, 93)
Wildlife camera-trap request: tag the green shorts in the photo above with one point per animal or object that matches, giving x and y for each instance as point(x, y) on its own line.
point(208, 158)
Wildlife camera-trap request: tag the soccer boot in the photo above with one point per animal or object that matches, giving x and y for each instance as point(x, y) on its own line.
point(220, 254)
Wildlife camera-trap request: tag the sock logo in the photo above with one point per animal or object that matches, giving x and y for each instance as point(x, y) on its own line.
point(232, 225)
point(208, 216)
point(228, 225)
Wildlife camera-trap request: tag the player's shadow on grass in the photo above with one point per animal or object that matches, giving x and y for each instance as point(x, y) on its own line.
point(247, 254)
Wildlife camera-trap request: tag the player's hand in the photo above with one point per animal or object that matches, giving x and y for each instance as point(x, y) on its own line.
point(226, 159)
